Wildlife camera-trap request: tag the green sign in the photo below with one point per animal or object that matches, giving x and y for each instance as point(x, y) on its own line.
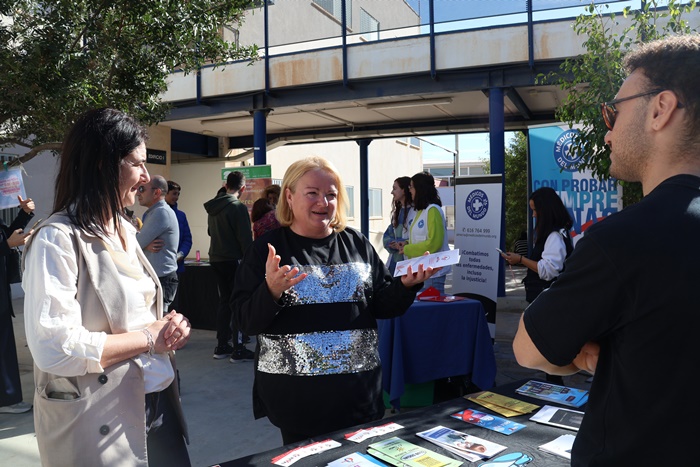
point(250, 171)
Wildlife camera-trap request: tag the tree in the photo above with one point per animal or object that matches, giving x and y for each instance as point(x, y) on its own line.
point(596, 75)
point(515, 187)
point(60, 58)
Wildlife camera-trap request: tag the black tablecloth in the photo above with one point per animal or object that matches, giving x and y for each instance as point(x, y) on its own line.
point(198, 295)
point(526, 440)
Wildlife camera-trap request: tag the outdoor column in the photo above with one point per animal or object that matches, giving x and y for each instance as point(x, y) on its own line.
point(498, 164)
point(364, 185)
point(260, 136)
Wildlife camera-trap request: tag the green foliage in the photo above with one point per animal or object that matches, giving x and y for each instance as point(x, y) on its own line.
point(62, 57)
point(516, 187)
point(596, 75)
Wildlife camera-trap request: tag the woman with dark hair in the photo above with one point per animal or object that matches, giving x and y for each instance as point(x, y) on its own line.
point(402, 215)
point(93, 309)
point(428, 231)
point(263, 217)
point(551, 248)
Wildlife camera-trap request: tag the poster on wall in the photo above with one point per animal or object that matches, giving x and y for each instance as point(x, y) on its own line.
point(11, 186)
point(257, 177)
point(477, 235)
point(554, 164)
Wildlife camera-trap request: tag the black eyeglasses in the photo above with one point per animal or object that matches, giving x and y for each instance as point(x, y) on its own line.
point(610, 112)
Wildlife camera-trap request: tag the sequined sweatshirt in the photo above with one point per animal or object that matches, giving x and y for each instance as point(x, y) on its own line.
point(317, 365)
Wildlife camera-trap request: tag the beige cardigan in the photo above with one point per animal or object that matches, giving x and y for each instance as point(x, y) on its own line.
point(105, 425)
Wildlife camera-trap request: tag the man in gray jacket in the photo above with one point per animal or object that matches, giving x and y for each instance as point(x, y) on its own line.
point(231, 233)
point(159, 235)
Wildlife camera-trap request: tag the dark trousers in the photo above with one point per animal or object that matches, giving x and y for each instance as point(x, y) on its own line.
point(10, 386)
point(169, 285)
point(164, 441)
point(225, 272)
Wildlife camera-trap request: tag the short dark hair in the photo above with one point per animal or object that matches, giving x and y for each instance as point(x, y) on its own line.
point(173, 186)
point(235, 180)
point(87, 184)
point(672, 63)
point(158, 182)
point(426, 193)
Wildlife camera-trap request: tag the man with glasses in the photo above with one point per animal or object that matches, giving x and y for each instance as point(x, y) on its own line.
point(159, 235)
point(625, 308)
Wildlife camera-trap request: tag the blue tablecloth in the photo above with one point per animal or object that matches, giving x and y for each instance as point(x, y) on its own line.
point(436, 340)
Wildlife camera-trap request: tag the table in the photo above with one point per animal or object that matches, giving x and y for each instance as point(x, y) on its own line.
point(436, 340)
point(526, 440)
point(198, 295)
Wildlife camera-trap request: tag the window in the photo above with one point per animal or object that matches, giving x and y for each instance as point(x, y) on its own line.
point(335, 8)
point(351, 200)
point(369, 27)
point(375, 202)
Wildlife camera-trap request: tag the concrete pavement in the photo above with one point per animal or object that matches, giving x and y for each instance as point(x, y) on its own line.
point(216, 394)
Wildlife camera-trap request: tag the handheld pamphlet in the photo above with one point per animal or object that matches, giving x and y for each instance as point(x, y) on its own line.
point(553, 393)
point(356, 459)
point(434, 260)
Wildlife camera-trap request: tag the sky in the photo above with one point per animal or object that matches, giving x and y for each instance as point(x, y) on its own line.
point(472, 147)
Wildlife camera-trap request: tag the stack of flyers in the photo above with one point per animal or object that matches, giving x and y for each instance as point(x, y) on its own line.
point(290, 457)
point(560, 446)
point(553, 393)
point(356, 459)
point(365, 433)
point(490, 422)
point(401, 453)
point(557, 416)
point(504, 405)
point(470, 447)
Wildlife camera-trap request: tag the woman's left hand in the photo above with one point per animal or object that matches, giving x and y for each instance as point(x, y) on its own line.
point(414, 278)
point(177, 333)
point(26, 204)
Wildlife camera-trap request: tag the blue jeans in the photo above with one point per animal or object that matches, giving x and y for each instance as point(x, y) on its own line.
point(169, 285)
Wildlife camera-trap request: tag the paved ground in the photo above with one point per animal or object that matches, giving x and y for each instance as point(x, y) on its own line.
point(216, 394)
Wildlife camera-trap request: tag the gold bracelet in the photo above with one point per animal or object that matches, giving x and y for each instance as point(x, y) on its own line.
point(151, 344)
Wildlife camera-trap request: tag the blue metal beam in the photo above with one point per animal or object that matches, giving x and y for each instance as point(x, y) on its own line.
point(498, 164)
point(260, 136)
point(364, 185)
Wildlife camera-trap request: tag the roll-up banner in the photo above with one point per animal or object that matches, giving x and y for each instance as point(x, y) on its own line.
point(477, 235)
point(553, 164)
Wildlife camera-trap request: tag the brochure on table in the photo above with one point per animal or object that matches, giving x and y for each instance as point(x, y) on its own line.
point(504, 405)
point(557, 416)
point(470, 447)
point(490, 422)
point(399, 452)
point(554, 393)
point(560, 446)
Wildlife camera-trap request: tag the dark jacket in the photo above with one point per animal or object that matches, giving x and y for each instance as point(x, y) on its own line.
point(20, 222)
point(228, 225)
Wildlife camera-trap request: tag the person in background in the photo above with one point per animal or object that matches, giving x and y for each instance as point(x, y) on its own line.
point(312, 291)
point(10, 383)
point(230, 231)
point(135, 220)
point(626, 307)
point(552, 246)
point(263, 217)
point(272, 194)
point(428, 231)
point(402, 215)
point(520, 246)
point(159, 235)
point(103, 349)
point(184, 244)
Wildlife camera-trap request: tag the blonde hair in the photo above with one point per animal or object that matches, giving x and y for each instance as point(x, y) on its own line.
point(292, 176)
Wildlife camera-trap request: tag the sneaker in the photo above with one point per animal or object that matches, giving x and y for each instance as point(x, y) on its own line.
point(19, 407)
point(222, 351)
point(242, 355)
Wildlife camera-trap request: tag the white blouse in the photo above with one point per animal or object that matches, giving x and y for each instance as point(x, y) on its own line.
point(553, 256)
point(57, 339)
